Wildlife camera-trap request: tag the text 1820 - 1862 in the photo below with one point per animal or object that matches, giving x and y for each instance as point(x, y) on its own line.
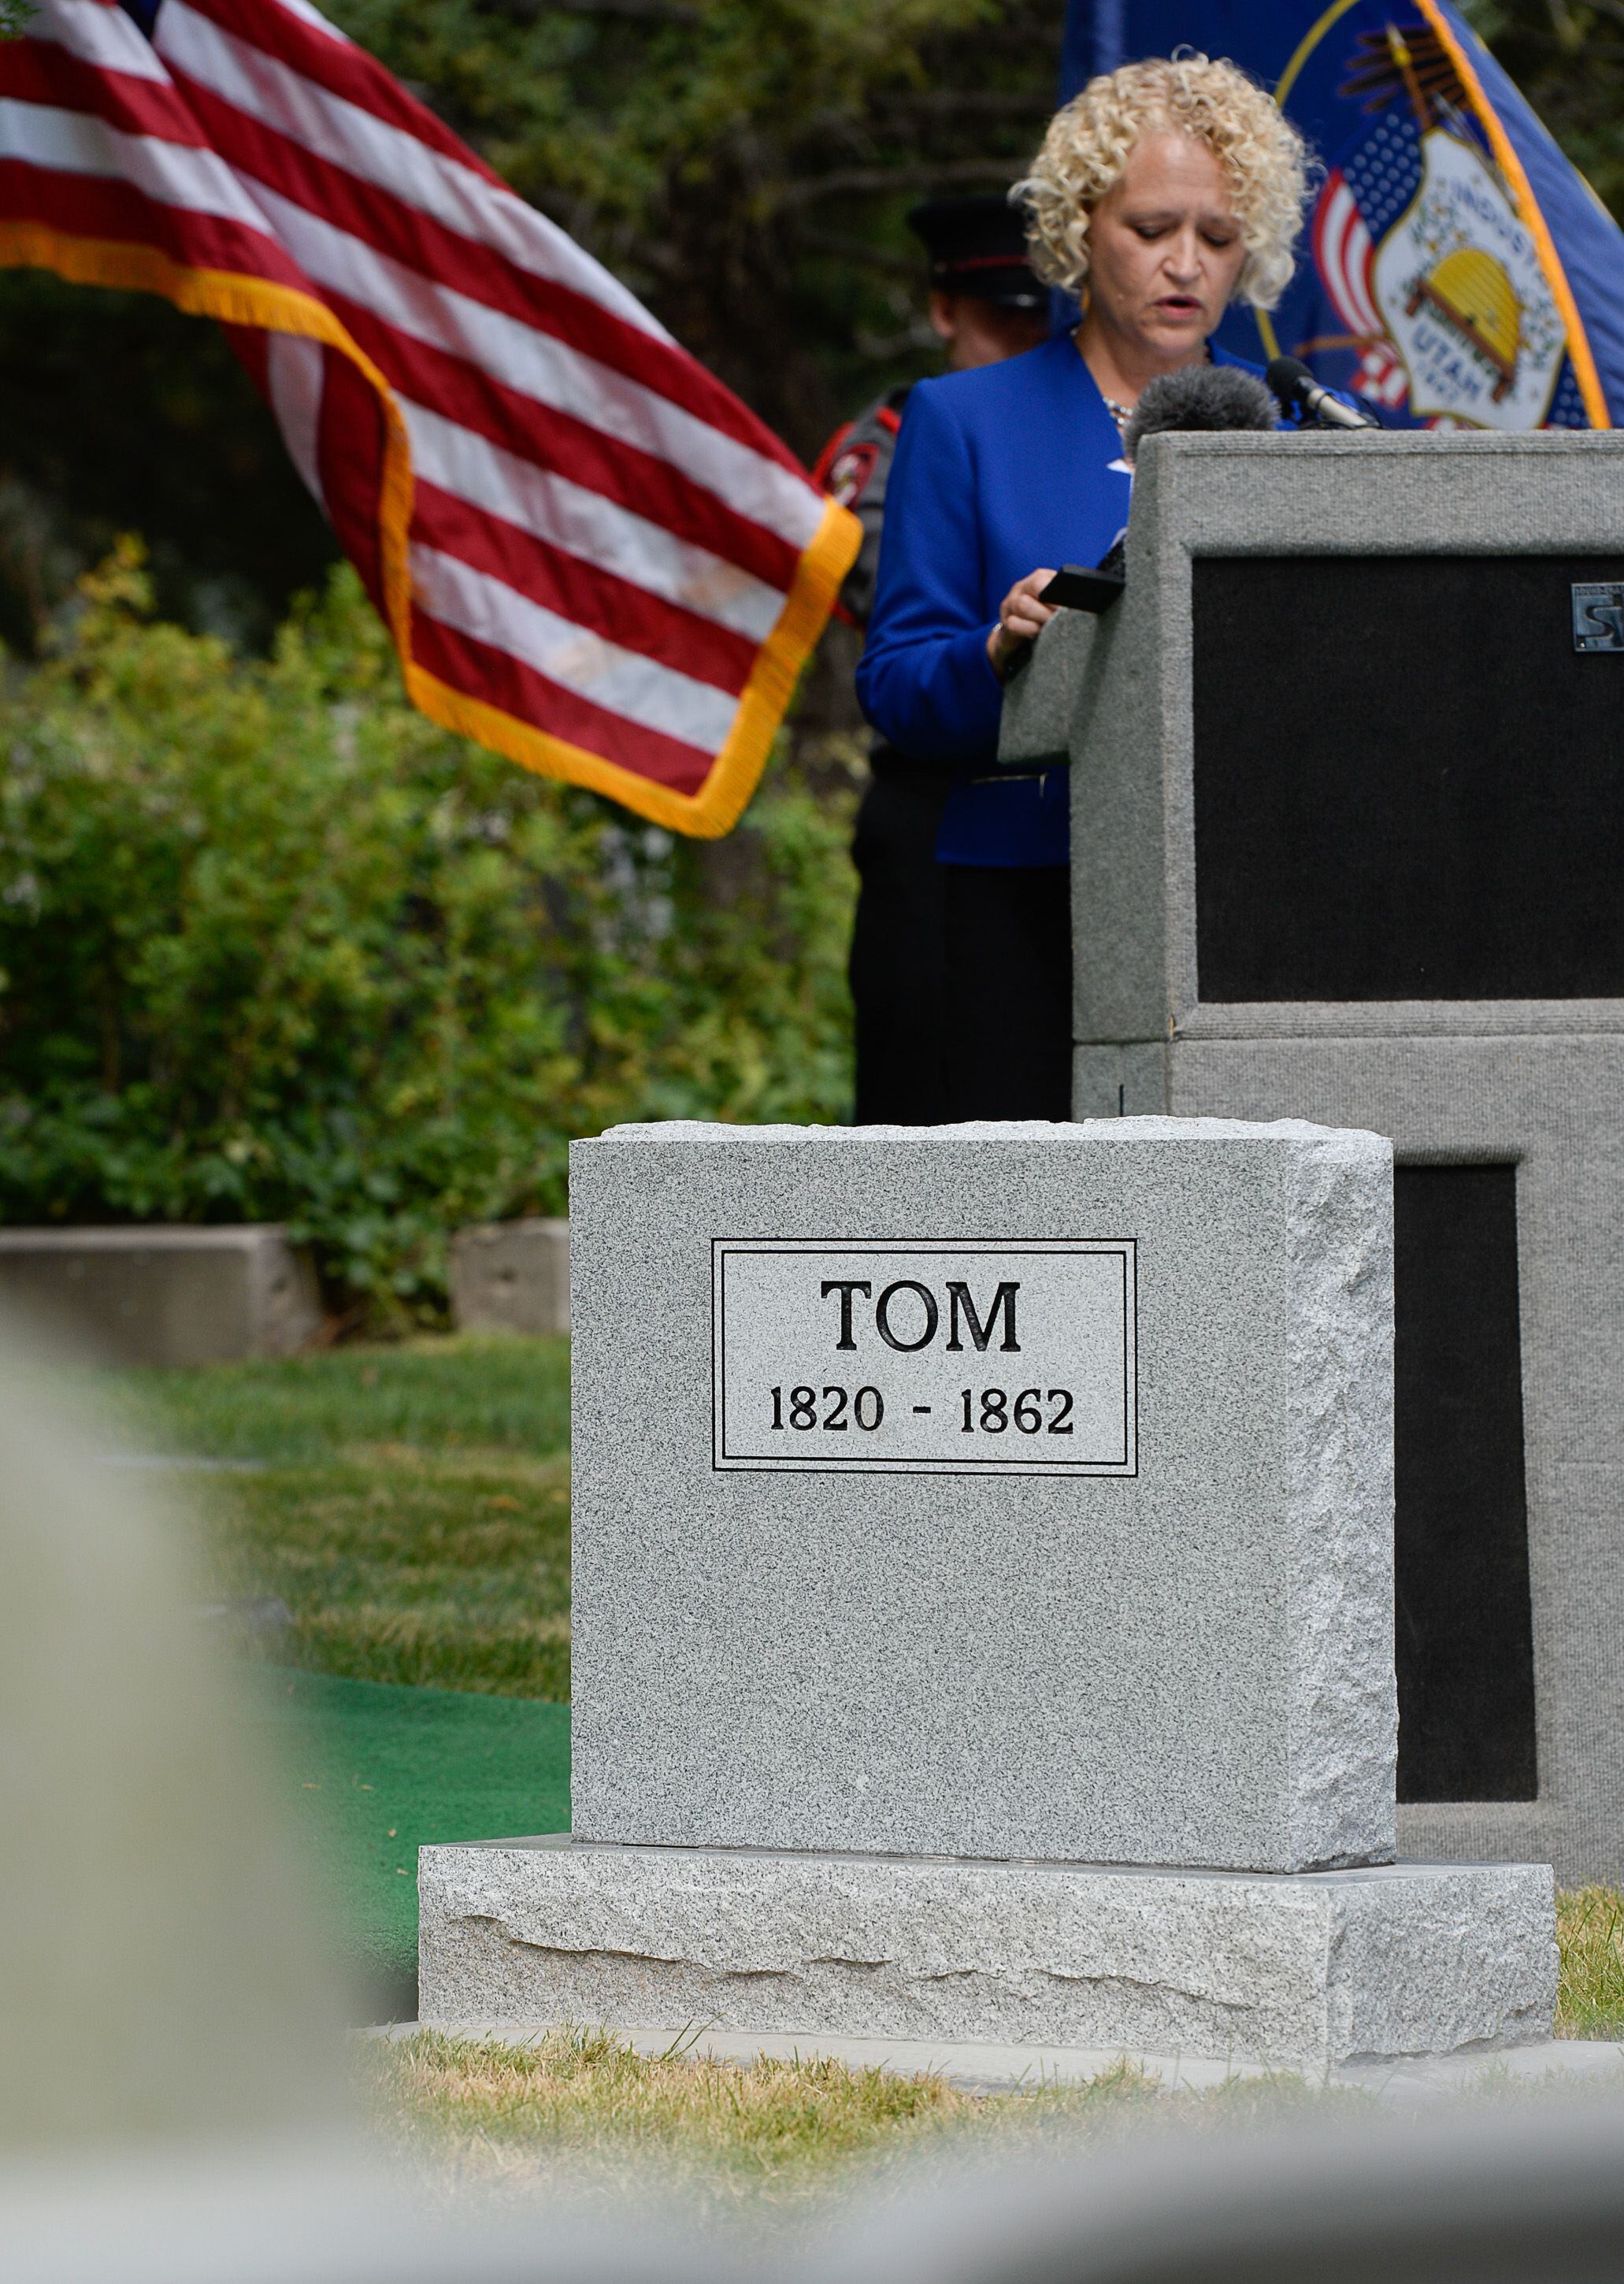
point(829, 1356)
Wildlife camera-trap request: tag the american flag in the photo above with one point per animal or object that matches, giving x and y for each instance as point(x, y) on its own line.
point(1345, 256)
point(591, 556)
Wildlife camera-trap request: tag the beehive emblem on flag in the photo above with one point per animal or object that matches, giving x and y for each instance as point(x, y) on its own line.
point(1459, 283)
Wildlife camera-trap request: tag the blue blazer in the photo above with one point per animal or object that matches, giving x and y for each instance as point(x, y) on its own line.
point(996, 471)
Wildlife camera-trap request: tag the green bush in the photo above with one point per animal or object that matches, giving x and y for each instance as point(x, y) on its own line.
point(272, 947)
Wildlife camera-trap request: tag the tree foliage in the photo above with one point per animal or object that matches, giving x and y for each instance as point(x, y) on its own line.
point(1567, 57)
point(272, 947)
point(183, 433)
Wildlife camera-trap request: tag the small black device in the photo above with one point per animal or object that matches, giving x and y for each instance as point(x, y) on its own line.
point(1074, 588)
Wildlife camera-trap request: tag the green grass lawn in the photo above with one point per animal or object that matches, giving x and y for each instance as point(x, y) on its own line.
point(1590, 1940)
point(436, 1394)
point(411, 1504)
point(584, 2113)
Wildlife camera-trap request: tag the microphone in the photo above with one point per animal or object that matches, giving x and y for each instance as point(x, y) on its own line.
point(1298, 392)
point(1199, 396)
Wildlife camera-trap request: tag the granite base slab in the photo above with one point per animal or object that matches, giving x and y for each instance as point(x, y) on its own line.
point(1309, 1970)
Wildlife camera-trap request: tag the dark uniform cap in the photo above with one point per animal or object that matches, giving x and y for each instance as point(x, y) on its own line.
point(978, 245)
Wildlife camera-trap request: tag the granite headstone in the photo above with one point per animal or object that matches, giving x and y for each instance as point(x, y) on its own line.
point(986, 1491)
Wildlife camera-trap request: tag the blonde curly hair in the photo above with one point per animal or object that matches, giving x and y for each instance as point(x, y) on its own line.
point(1088, 143)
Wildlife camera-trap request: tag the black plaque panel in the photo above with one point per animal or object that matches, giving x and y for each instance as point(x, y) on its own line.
point(1463, 1627)
point(1408, 783)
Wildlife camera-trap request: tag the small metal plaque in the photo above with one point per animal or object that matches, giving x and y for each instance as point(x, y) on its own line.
point(1598, 614)
point(975, 1358)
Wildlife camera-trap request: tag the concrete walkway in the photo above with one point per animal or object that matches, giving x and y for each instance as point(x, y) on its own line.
point(1557, 2064)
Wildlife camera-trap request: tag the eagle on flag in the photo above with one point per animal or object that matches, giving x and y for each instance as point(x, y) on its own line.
point(591, 556)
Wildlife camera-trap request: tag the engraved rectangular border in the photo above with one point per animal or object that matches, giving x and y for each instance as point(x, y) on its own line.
point(1126, 1248)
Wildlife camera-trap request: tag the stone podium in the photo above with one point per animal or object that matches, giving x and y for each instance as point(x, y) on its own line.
point(1347, 766)
point(983, 1610)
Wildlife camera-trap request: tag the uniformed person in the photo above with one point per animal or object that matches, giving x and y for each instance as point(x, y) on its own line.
point(985, 305)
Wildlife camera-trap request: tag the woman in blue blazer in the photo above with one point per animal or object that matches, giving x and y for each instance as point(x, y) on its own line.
point(1160, 192)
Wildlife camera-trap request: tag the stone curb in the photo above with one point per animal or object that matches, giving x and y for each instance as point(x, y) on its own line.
point(983, 2066)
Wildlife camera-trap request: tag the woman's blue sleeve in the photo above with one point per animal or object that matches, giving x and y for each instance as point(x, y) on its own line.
point(925, 681)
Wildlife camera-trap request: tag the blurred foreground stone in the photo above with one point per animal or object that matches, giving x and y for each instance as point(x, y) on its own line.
point(161, 1975)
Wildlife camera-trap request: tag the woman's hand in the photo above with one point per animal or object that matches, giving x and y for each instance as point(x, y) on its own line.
point(1021, 619)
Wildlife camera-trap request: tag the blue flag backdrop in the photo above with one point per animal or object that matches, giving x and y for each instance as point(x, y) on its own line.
point(1457, 268)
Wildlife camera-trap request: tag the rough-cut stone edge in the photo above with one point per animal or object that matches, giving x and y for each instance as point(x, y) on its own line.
point(1473, 1966)
point(662, 1133)
point(1343, 1712)
point(1310, 1970)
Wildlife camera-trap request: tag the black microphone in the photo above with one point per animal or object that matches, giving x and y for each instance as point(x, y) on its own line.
point(1197, 396)
point(1298, 392)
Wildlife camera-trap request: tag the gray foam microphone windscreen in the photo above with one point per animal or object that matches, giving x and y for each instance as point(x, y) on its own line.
point(1200, 397)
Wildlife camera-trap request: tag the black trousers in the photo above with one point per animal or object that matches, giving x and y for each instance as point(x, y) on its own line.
point(899, 949)
point(1009, 986)
point(961, 974)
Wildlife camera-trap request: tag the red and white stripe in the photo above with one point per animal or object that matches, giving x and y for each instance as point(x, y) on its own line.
point(602, 537)
point(1345, 259)
point(96, 141)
